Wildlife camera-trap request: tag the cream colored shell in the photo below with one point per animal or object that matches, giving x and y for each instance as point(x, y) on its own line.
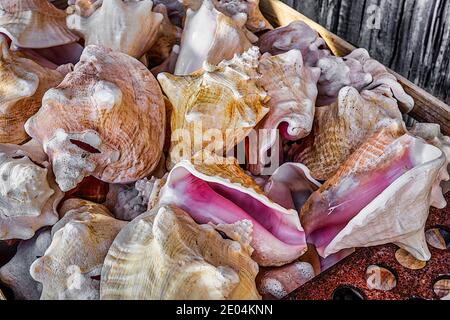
point(209, 36)
point(28, 194)
point(80, 241)
point(106, 119)
point(224, 102)
point(22, 86)
point(164, 254)
point(34, 24)
point(130, 27)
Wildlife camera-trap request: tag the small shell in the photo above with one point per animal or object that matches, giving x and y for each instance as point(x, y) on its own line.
point(2, 296)
point(80, 242)
point(223, 102)
point(221, 38)
point(379, 278)
point(341, 128)
point(125, 26)
point(442, 288)
point(16, 273)
point(438, 238)
point(216, 190)
point(23, 84)
point(396, 178)
point(164, 254)
point(106, 119)
point(408, 261)
point(34, 24)
point(292, 88)
point(297, 35)
point(278, 283)
point(28, 193)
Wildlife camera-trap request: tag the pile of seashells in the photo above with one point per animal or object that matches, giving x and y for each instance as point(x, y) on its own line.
point(117, 122)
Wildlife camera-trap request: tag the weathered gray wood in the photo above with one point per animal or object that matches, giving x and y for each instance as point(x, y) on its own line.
point(410, 36)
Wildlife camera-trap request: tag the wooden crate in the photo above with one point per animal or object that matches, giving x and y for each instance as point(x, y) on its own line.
point(427, 107)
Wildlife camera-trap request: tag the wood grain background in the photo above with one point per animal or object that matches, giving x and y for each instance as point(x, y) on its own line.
point(412, 37)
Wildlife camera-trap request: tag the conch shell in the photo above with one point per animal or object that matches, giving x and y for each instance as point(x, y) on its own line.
point(163, 254)
point(28, 193)
point(361, 72)
point(72, 264)
point(209, 36)
point(222, 102)
point(129, 27)
point(22, 86)
point(106, 119)
point(292, 88)
point(432, 134)
point(297, 35)
point(16, 273)
point(216, 190)
point(34, 24)
point(339, 129)
point(381, 194)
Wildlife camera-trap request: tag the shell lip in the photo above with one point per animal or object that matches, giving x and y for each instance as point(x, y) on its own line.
point(358, 220)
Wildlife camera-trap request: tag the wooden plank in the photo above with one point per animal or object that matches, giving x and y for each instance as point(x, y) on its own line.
point(427, 107)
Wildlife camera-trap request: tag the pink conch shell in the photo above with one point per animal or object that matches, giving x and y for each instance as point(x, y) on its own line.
point(163, 254)
point(72, 264)
point(16, 273)
point(218, 191)
point(292, 88)
point(34, 24)
point(126, 26)
point(297, 35)
point(106, 119)
point(22, 86)
point(432, 134)
point(339, 129)
point(357, 70)
point(168, 36)
point(29, 195)
point(380, 195)
point(291, 185)
point(209, 36)
point(278, 283)
point(222, 101)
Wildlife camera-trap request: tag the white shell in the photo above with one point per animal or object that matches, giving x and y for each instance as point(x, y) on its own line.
point(209, 36)
point(28, 194)
point(126, 26)
point(80, 242)
point(16, 273)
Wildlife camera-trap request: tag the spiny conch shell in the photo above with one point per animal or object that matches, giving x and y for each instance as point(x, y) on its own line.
point(34, 24)
point(106, 119)
point(209, 36)
point(126, 202)
point(358, 70)
point(216, 190)
point(22, 84)
point(222, 101)
point(432, 134)
point(291, 185)
point(168, 36)
point(278, 283)
point(163, 254)
point(339, 129)
point(72, 264)
point(28, 193)
point(16, 273)
point(396, 179)
point(297, 35)
point(126, 26)
point(292, 88)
